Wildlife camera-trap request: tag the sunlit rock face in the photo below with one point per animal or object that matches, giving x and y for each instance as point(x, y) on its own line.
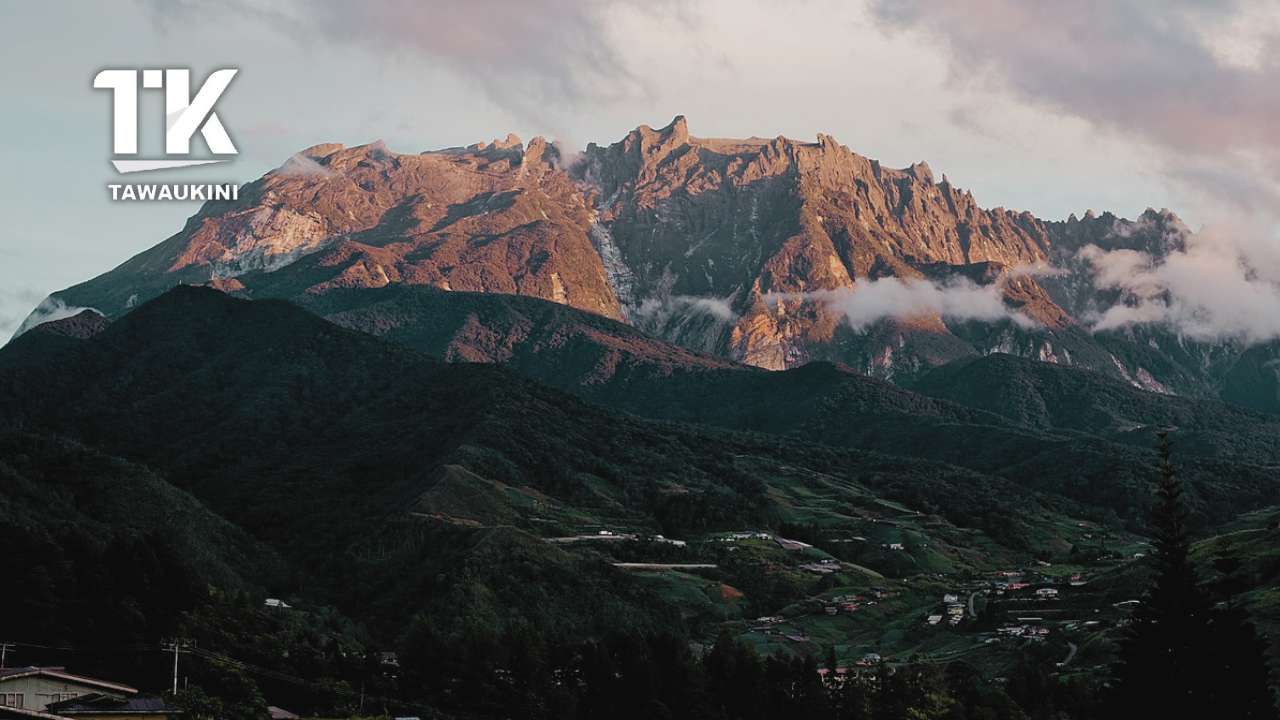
point(752, 249)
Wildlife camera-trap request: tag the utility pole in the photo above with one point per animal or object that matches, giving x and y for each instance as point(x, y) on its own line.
point(4, 651)
point(176, 645)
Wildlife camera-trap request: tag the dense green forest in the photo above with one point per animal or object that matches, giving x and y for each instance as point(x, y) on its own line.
point(164, 477)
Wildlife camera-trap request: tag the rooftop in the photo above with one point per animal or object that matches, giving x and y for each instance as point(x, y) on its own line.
point(96, 704)
point(62, 674)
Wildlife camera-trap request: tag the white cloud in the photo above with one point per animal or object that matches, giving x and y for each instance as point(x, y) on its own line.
point(1221, 284)
point(1196, 82)
point(538, 53)
point(869, 302)
point(50, 309)
point(300, 165)
point(15, 305)
point(659, 310)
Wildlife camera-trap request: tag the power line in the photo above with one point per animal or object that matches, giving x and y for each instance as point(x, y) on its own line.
point(81, 648)
point(175, 645)
point(180, 646)
point(285, 677)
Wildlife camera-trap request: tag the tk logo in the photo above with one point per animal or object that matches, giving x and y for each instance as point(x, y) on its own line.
point(184, 115)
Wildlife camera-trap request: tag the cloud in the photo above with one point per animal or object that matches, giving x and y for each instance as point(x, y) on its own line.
point(869, 302)
point(654, 309)
point(50, 309)
point(1117, 62)
point(302, 166)
point(1199, 79)
point(1218, 285)
point(565, 156)
point(523, 55)
point(15, 305)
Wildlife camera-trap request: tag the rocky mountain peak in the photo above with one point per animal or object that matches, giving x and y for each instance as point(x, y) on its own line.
point(733, 246)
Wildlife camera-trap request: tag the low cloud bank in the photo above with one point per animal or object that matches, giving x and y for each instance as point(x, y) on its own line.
point(660, 310)
point(50, 309)
point(15, 305)
point(869, 302)
point(302, 166)
point(1219, 285)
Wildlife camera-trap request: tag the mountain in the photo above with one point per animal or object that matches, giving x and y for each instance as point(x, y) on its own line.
point(357, 458)
point(105, 547)
point(499, 217)
point(1047, 396)
point(1253, 380)
point(553, 343)
point(49, 338)
point(738, 221)
point(443, 505)
point(1070, 432)
point(752, 250)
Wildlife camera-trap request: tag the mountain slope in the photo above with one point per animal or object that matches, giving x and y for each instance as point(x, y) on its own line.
point(343, 451)
point(1043, 395)
point(104, 547)
point(499, 217)
point(752, 250)
point(1070, 432)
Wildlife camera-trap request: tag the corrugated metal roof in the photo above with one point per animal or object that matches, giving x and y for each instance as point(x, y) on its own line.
point(62, 674)
point(94, 704)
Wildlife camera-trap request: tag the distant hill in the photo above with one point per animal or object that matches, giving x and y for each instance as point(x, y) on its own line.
point(1052, 397)
point(1064, 430)
point(348, 454)
point(107, 548)
point(745, 249)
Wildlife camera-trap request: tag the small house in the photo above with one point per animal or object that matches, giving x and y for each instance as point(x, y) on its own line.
point(100, 706)
point(36, 688)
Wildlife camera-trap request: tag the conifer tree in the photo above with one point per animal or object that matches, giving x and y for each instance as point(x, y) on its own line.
point(1173, 654)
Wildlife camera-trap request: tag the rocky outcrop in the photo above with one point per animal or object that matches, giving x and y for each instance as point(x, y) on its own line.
point(743, 221)
point(495, 217)
point(733, 247)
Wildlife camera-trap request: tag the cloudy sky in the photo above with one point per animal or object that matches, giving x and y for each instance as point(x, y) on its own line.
point(1046, 106)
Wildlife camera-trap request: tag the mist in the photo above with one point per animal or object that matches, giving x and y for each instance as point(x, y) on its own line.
point(1220, 284)
point(869, 302)
point(49, 310)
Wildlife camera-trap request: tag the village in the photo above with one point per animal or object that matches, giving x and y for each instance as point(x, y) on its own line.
point(55, 693)
point(864, 619)
point(857, 618)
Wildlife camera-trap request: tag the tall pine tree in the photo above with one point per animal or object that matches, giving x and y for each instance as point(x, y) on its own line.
point(1181, 657)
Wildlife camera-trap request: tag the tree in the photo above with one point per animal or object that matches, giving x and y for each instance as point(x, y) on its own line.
point(735, 677)
point(1240, 678)
point(196, 704)
point(1169, 654)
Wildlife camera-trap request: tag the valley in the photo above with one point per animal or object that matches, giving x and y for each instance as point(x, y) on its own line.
point(486, 428)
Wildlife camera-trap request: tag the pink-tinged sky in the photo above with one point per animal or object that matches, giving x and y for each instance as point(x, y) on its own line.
point(1053, 107)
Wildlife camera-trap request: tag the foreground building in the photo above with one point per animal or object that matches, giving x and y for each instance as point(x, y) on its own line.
point(52, 693)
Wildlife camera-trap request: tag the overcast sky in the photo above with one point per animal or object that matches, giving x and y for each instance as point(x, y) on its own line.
point(1047, 106)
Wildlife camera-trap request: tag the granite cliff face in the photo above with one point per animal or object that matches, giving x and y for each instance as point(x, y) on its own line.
point(718, 243)
point(498, 217)
point(749, 249)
